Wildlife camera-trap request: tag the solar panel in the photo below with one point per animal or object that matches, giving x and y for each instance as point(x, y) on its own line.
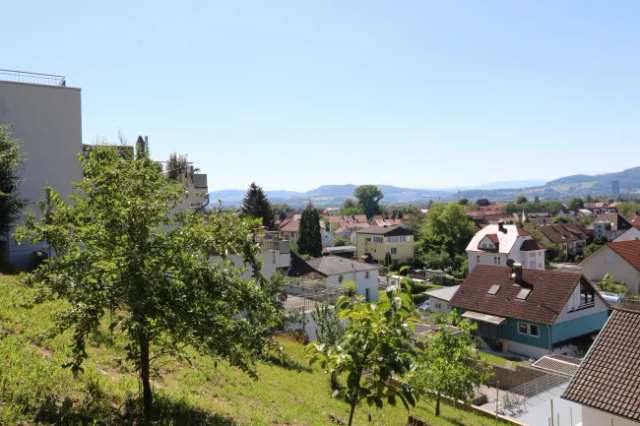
point(493, 289)
point(523, 293)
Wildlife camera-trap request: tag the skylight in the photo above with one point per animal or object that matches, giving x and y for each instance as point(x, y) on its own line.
point(523, 293)
point(493, 289)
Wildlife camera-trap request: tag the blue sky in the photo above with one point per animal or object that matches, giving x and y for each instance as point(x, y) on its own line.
point(298, 94)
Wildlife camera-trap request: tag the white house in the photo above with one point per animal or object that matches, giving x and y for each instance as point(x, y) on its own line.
point(607, 383)
point(619, 259)
point(336, 271)
point(274, 255)
point(439, 298)
point(494, 245)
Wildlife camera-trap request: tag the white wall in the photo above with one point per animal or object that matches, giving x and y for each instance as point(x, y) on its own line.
point(271, 262)
point(606, 261)
point(438, 305)
point(361, 280)
point(47, 121)
point(524, 349)
point(482, 258)
point(593, 417)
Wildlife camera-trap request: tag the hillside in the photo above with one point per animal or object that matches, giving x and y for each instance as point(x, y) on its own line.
point(37, 390)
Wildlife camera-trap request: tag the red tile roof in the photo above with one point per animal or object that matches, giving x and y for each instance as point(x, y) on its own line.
point(628, 250)
point(550, 292)
point(562, 233)
point(609, 376)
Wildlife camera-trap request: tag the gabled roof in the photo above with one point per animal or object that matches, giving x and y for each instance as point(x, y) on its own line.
point(507, 235)
point(550, 292)
point(531, 245)
point(628, 250)
point(609, 376)
point(387, 231)
point(444, 293)
point(562, 233)
point(335, 265)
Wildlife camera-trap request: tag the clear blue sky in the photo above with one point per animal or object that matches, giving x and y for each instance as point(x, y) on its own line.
point(298, 94)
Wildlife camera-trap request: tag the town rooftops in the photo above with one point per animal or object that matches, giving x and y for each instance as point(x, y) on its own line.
point(562, 233)
point(444, 293)
point(628, 250)
point(616, 219)
point(334, 265)
point(387, 231)
point(540, 298)
point(609, 376)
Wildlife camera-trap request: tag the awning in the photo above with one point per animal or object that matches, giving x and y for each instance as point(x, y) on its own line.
point(477, 316)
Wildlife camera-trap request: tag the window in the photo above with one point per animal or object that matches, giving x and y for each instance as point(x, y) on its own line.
point(523, 294)
point(377, 239)
point(340, 278)
point(438, 306)
point(587, 295)
point(394, 250)
point(528, 329)
point(366, 295)
point(366, 276)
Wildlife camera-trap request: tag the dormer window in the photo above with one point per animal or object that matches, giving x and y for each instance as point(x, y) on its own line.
point(523, 294)
point(587, 295)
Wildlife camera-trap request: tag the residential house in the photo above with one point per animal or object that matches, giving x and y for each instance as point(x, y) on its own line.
point(607, 383)
point(290, 230)
point(385, 245)
point(440, 298)
point(609, 226)
point(619, 259)
point(599, 207)
point(571, 238)
point(335, 271)
point(497, 244)
point(530, 312)
point(346, 226)
point(44, 115)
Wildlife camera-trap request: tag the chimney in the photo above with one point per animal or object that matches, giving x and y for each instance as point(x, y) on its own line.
point(516, 274)
point(501, 227)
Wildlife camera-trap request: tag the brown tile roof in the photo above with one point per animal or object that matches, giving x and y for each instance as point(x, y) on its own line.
point(290, 225)
point(493, 238)
point(609, 377)
point(562, 233)
point(387, 230)
point(628, 250)
point(550, 292)
point(530, 245)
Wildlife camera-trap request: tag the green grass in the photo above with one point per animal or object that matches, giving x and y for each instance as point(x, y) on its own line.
point(498, 360)
point(35, 389)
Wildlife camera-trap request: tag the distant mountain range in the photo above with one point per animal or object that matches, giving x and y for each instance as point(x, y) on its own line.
point(570, 186)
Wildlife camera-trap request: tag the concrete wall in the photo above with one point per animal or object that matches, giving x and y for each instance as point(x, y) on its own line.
point(593, 417)
point(47, 120)
point(606, 261)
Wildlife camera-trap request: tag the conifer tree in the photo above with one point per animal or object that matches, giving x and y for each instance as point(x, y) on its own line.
point(10, 160)
point(310, 239)
point(257, 205)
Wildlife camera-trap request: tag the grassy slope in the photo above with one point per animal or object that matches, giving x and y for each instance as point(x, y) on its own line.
point(34, 386)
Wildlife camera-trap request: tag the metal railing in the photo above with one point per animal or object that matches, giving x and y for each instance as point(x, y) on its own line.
point(33, 77)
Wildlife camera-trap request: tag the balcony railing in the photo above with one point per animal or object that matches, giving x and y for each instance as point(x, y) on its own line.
point(32, 77)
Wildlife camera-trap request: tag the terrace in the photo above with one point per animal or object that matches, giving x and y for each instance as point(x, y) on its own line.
point(33, 78)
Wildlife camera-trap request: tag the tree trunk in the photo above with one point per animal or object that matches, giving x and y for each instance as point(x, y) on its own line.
point(438, 404)
point(353, 409)
point(147, 396)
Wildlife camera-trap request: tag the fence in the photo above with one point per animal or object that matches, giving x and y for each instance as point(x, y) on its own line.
point(32, 77)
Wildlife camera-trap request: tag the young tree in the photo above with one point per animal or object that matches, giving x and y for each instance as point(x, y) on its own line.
point(522, 200)
point(446, 230)
point(256, 204)
point(310, 237)
point(10, 161)
point(121, 251)
point(369, 197)
point(575, 203)
point(450, 365)
point(374, 352)
point(329, 330)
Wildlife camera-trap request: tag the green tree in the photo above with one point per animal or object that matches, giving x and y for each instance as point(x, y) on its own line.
point(177, 167)
point(521, 199)
point(450, 365)
point(463, 201)
point(445, 232)
point(374, 352)
point(329, 330)
point(256, 204)
point(350, 208)
point(310, 236)
point(10, 161)
point(124, 257)
point(369, 197)
point(575, 203)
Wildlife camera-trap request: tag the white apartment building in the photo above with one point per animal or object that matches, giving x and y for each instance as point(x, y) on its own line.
point(495, 245)
point(44, 114)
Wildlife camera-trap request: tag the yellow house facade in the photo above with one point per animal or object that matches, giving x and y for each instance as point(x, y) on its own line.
point(392, 244)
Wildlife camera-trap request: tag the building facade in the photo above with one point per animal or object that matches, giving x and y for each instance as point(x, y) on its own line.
point(385, 245)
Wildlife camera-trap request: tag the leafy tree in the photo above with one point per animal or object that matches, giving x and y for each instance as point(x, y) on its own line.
point(177, 167)
point(369, 197)
point(450, 364)
point(124, 257)
point(256, 204)
point(329, 330)
point(521, 199)
point(609, 284)
point(350, 208)
point(560, 219)
point(375, 351)
point(310, 237)
point(10, 161)
point(445, 232)
point(575, 203)
point(463, 201)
